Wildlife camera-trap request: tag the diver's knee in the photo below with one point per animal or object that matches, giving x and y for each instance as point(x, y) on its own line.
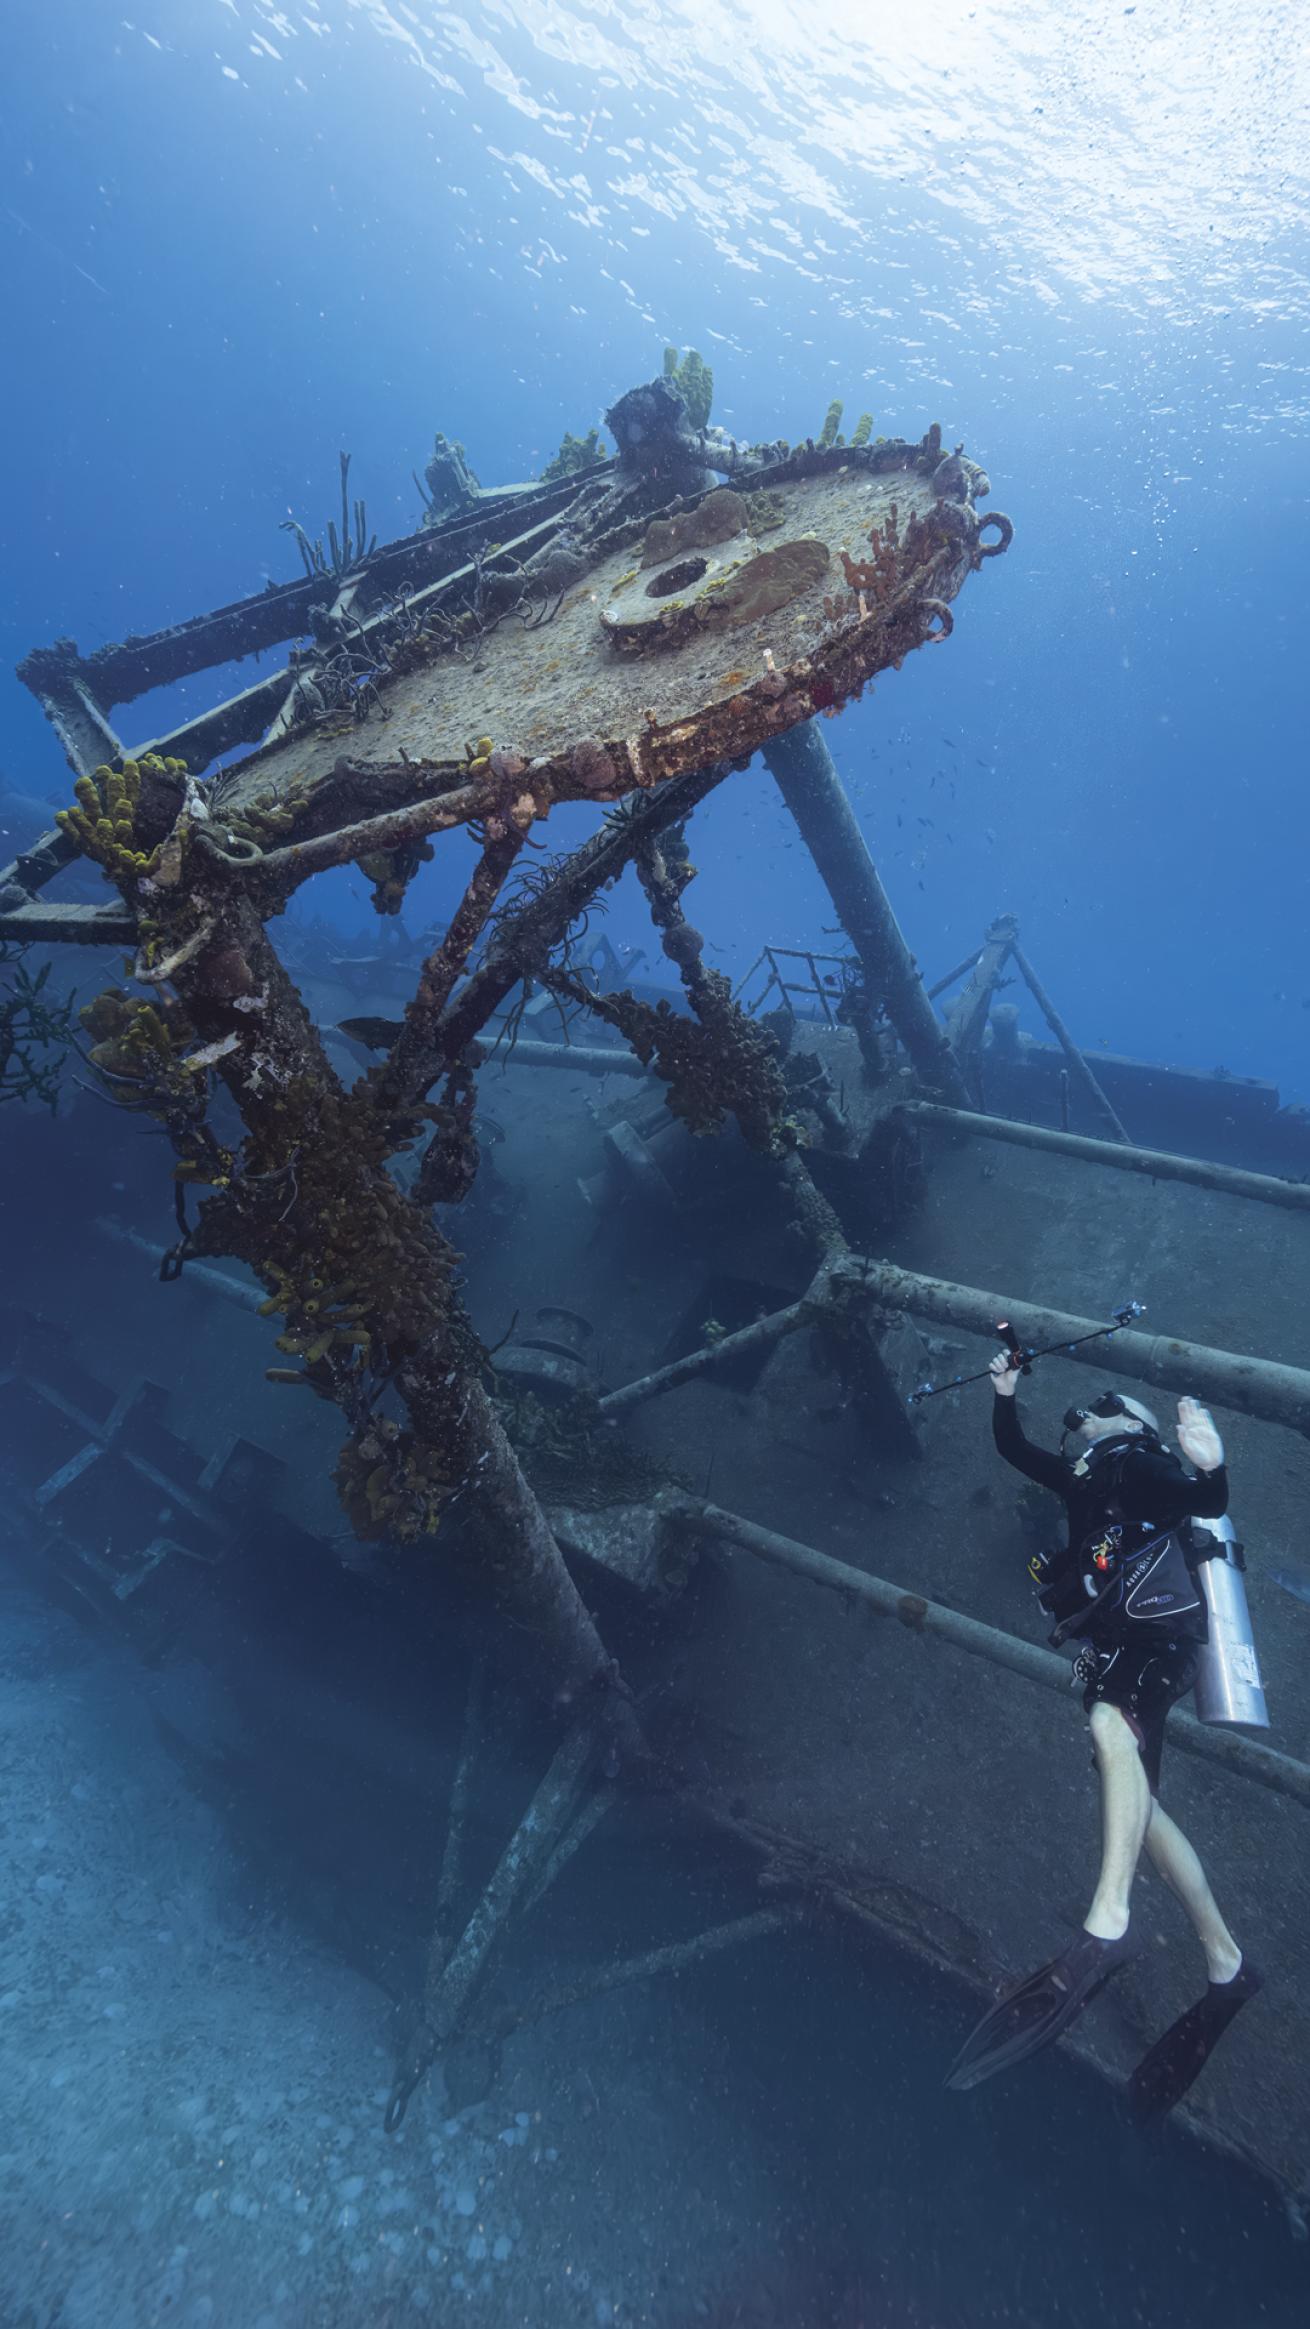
point(1112, 1732)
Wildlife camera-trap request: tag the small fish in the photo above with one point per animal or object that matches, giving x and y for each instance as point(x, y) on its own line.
point(1292, 1582)
point(376, 1034)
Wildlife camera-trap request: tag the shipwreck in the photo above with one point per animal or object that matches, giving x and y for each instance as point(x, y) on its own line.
point(604, 1304)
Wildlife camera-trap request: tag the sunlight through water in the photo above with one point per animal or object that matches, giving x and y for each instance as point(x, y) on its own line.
point(1146, 158)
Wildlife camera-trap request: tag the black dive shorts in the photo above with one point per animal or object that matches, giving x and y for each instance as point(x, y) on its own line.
point(1143, 1679)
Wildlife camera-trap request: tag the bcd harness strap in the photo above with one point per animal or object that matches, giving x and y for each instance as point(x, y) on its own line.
point(1107, 1552)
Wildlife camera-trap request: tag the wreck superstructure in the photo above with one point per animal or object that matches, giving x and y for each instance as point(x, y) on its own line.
point(631, 636)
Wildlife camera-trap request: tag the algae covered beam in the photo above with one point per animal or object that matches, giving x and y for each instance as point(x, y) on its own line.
point(807, 777)
point(1244, 1758)
point(1152, 1163)
point(74, 707)
point(451, 1979)
point(525, 933)
point(35, 866)
point(122, 671)
point(312, 1201)
point(748, 1342)
point(961, 970)
point(38, 924)
point(1260, 1387)
point(588, 1059)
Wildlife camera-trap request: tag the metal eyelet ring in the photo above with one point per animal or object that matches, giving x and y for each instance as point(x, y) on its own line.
point(994, 549)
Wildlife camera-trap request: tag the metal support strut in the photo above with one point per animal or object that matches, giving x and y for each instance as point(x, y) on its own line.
point(1263, 1387)
point(1245, 1758)
point(1248, 1386)
point(1079, 1068)
point(808, 779)
point(1154, 1164)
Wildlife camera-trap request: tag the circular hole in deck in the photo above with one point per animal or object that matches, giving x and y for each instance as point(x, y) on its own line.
point(679, 577)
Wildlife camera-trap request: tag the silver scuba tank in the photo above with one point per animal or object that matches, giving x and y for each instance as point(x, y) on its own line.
point(1228, 1685)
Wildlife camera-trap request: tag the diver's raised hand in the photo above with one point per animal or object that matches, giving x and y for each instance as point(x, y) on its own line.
point(1005, 1377)
point(1197, 1437)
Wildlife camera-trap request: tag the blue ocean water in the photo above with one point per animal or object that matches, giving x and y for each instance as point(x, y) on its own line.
point(240, 239)
point(236, 239)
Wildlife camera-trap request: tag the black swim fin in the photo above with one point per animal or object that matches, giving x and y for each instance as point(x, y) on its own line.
point(1033, 2015)
point(1176, 2061)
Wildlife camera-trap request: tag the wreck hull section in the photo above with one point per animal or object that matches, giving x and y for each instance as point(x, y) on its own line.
point(966, 1791)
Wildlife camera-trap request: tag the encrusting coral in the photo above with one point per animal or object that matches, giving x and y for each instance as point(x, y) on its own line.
point(360, 1278)
point(356, 1270)
point(830, 434)
point(717, 1064)
point(574, 453)
point(104, 822)
point(694, 382)
point(873, 582)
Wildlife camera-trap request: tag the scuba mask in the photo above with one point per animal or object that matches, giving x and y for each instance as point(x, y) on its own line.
point(1107, 1406)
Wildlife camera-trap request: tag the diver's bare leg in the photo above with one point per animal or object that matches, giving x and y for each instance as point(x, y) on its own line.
point(1034, 2012)
point(1177, 1862)
point(1125, 1813)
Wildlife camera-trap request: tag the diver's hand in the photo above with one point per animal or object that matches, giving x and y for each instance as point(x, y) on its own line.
point(1197, 1437)
point(1005, 1378)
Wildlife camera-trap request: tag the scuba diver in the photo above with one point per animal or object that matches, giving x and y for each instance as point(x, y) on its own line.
point(1125, 1588)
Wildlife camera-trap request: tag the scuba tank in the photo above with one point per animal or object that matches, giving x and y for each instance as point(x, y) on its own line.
point(1228, 1685)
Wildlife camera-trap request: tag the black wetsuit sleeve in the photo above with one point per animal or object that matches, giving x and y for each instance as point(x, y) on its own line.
point(1209, 1491)
point(1038, 1464)
point(1162, 1484)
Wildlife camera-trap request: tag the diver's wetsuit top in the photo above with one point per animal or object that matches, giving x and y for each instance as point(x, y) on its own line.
point(1142, 1666)
point(1151, 1485)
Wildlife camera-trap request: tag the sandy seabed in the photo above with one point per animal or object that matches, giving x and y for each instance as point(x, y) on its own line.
point(194, 2088)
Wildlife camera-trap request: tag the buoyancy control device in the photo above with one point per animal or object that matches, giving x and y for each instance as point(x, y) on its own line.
point(1129, 1573)
point(1125, 1572)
